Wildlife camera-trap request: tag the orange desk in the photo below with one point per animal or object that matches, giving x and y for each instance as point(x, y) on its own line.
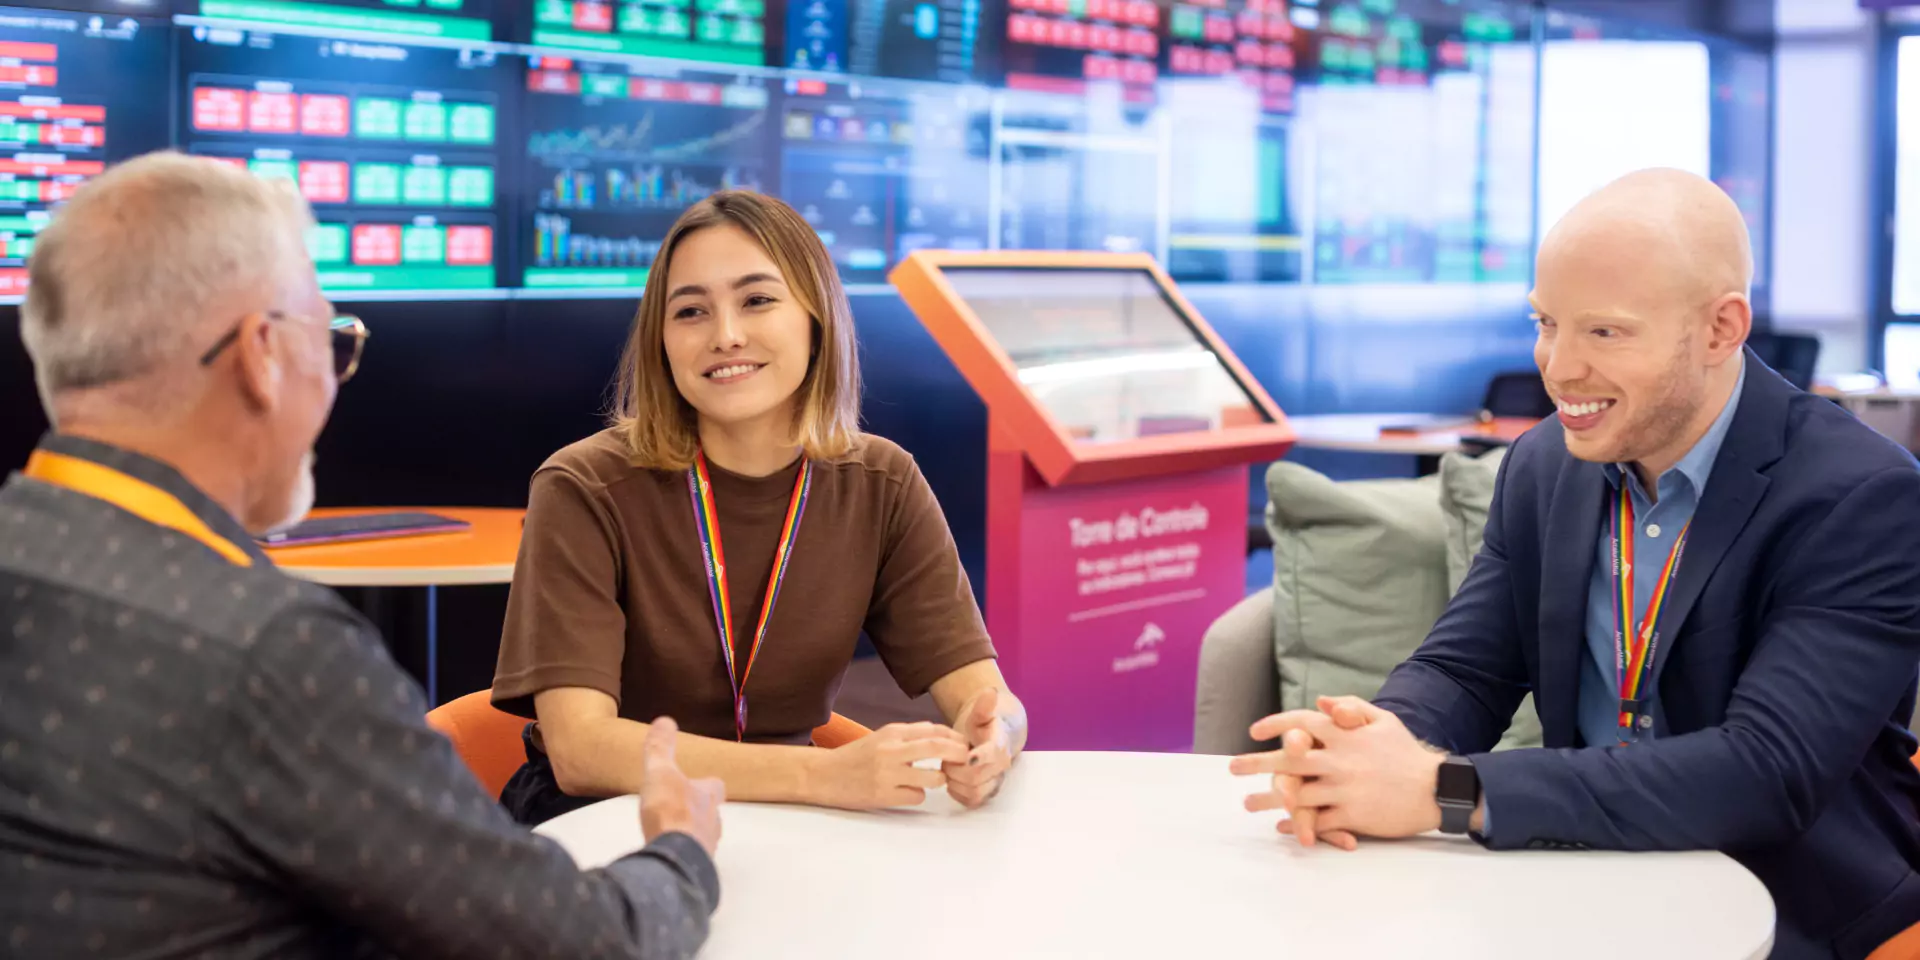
point(482, 554)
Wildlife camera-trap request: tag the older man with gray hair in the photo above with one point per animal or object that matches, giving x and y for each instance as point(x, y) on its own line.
point(198, 755)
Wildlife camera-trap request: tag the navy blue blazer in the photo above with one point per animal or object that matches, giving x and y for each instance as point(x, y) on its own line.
point(1787, 689)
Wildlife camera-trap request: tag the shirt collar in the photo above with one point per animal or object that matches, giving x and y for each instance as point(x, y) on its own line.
point(151, 471)
point(1697, 464)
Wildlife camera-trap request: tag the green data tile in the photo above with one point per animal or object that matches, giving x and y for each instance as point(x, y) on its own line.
point(1188, 22)
point(423, 245)
point(556, 13)
point(733, 8)
point(1077, 8)
point(444, 4)
point(1272, 165)
point(425, 186)
point(327, 16)
point(401, 3)
point(470, 187)
point(714, 29)
point(376, 183)
point(672, 23)
point(472, 123)
point(407, 278)
point(427, 121)
point(376, 119)
point(604, 85)
point(327, 243)
point(748, 32)
point(274, 169)
point(635, 19)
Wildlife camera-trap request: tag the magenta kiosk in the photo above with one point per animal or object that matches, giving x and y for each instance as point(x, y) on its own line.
point(1120, 430)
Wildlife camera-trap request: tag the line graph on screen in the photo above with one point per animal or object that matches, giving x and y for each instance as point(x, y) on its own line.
point(630, 142)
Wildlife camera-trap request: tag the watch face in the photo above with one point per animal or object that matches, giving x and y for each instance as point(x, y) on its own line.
point(1458, 782)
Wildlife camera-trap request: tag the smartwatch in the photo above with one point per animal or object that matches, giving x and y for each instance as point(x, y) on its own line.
point(1458, 792)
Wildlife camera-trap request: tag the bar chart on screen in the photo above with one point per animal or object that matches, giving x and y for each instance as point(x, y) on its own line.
point(615, 151)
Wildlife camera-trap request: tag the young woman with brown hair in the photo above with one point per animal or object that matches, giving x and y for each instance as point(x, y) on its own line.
point(716, 552)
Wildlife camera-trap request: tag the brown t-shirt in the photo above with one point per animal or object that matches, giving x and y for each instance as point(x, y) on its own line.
point(610, 591)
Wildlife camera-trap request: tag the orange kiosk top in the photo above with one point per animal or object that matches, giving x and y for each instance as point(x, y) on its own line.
point(1093, 362)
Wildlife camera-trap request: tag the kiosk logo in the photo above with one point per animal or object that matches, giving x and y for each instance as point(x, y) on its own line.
point(1144, 655)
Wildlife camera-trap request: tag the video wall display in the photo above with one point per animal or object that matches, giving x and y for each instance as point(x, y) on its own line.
point(1075, 177)
point(73, 99)
point(713, 31)
point(883, 171)
point(421, 19)
point(918, 40)
point(1422, 155)
point(543, 148)
point(397, 148)
point(615, 152)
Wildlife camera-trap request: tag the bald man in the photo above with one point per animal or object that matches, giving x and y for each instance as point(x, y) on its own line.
point(1709, 580)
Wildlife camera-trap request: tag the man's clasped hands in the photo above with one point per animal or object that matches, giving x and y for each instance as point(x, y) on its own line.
point(1346, 770)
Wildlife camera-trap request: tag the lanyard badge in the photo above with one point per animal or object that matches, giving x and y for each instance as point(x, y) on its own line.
point(707, 524)
point(1635, 646)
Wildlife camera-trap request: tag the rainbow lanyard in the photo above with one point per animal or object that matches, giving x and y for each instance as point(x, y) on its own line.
point(1634, 650)
point(707, 522)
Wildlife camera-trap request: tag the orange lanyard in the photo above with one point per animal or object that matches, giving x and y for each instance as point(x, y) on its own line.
point(138, 497)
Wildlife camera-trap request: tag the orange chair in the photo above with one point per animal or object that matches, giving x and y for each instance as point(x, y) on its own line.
point(1905, 945)
point(838, 732)
point(488, 739)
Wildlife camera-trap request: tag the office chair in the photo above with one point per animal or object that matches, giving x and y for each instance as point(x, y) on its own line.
point(1791, 355)
point(488, 739)
point(1517, 393)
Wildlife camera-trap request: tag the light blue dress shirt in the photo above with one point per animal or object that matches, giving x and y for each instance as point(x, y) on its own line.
point(1656, 526)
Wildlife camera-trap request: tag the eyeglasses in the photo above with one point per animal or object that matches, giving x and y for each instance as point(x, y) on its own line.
point(349, 339)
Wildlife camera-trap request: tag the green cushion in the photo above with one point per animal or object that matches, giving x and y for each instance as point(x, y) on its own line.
point(1360, 574)
point(1466, 491)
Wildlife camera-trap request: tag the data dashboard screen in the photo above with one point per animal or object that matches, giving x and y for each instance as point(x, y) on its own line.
point(881, 171)
point(1068, 46)
point(1231, 206)
point(910, 39)
point(396, 147)
point(1078, 176)
point(1422, 112)
point(1249, 40)
point(75, 96)
point(505, 148)
point(713, 31)
point(388, 19)
point(615, 152)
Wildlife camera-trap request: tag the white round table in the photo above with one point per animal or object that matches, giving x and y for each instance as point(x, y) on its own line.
point(1110, 855)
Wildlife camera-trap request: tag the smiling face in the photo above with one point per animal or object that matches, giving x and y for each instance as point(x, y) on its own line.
point(1619, 357)
point(736, 338)
point(1640, 296)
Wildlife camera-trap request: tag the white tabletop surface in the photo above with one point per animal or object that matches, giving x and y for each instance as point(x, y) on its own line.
point(1360, 432)
point(1110, 855)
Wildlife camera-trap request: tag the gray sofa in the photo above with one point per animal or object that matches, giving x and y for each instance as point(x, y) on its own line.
point(1361, 571)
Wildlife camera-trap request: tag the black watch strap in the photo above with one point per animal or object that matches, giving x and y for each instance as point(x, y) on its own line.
point(1457, 790)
